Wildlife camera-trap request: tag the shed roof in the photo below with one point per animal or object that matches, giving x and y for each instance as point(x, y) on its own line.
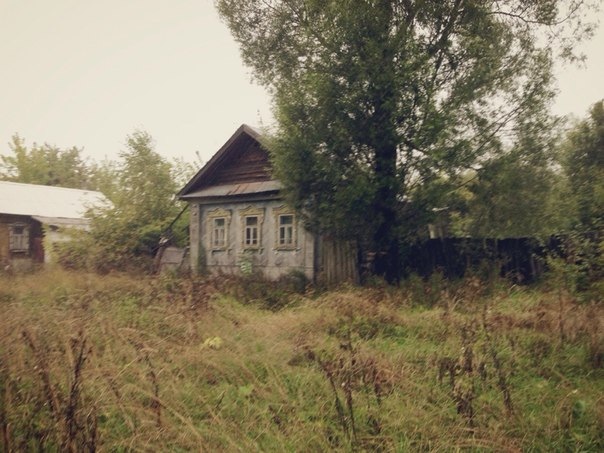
point(47, 201)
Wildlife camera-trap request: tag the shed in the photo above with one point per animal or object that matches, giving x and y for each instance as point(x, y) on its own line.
point(34, 217)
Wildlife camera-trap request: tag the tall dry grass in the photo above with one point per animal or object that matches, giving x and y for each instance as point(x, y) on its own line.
point(118, 363)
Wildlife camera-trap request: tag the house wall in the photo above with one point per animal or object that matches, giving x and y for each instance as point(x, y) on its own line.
point(269, 258)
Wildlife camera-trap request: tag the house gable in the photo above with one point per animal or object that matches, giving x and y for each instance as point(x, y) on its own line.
point(241, 161)
point(247, 162)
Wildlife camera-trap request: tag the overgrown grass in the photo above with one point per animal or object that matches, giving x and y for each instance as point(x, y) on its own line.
point(117, 363)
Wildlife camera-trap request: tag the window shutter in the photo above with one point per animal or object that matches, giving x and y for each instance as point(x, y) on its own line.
point(19, 238)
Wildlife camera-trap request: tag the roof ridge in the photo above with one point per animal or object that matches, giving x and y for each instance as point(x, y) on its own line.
point(52, 187)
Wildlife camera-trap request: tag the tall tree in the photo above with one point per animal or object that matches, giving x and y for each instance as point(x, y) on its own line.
point(584, 166)
point(44, 164)
point(144, 205)
point(513, 194)
point(378, 100)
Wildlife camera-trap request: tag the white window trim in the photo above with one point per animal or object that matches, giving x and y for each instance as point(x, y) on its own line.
point(244, 214)
point(278, 213)
point(218, 213)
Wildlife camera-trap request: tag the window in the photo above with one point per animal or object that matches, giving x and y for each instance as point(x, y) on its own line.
point(286, 230)
point(251, 236)
point(219, 233)
point(218, 221)
point(19, 238)
point(251, 227)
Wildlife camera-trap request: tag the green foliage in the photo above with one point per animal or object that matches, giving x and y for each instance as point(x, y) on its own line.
point(578, 268)
point(581, 262)
point(105, 177)
point(379, 102)
point(142, 188)
point(45, 165)
point(272, 295)
point(584, 167)
point(518, 192)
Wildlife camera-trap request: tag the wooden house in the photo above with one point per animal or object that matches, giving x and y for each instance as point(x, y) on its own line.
point(34, 217)
point(239, 221)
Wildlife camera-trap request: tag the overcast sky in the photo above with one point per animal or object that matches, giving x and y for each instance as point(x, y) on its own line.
point(87, 73)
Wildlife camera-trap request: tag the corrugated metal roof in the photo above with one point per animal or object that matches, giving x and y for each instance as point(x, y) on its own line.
point(47, 201)
point(236, 189)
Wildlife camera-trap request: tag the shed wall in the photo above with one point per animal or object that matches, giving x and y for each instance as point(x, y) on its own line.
point(55, 235)
point(20, 260)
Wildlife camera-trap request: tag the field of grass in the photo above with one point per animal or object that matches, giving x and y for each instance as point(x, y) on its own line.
point(122, 363)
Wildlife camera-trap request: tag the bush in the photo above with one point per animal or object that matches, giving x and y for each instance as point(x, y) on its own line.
point(272, 295)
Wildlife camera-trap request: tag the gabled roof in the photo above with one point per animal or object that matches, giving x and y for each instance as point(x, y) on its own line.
point(230, 173)
point(47, 201)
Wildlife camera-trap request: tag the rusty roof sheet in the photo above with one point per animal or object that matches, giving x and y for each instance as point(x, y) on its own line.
point(47, 201)
point(236, 189)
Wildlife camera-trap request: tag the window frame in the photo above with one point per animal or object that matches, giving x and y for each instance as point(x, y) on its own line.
point(249, 213)
point(219, 233)
point(279, 213)
point(251, 235)
point(19, 242)
point(213, 216)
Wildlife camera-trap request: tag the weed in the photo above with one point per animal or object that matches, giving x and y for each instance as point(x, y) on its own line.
point(178, 364)
point(502, 380)
point(352, 376)
point(60, 418)
point(478, 353)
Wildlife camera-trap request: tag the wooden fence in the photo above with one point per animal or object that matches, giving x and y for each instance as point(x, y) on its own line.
point(522, 259)
point(336, 261)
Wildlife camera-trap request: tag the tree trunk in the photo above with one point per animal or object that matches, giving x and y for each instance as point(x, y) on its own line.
point(384, 138)
point(385, 237)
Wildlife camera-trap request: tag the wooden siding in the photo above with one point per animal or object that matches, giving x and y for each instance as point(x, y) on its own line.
point(35, 251)
point(337, 262)
point(245, 162)
point(4, 243)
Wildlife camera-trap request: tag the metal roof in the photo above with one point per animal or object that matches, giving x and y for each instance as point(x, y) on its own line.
point(48, 201)
point(60, 221)
point(236, 189)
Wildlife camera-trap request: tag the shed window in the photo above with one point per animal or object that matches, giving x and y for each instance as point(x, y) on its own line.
point(251, 233)
point(19, 238)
